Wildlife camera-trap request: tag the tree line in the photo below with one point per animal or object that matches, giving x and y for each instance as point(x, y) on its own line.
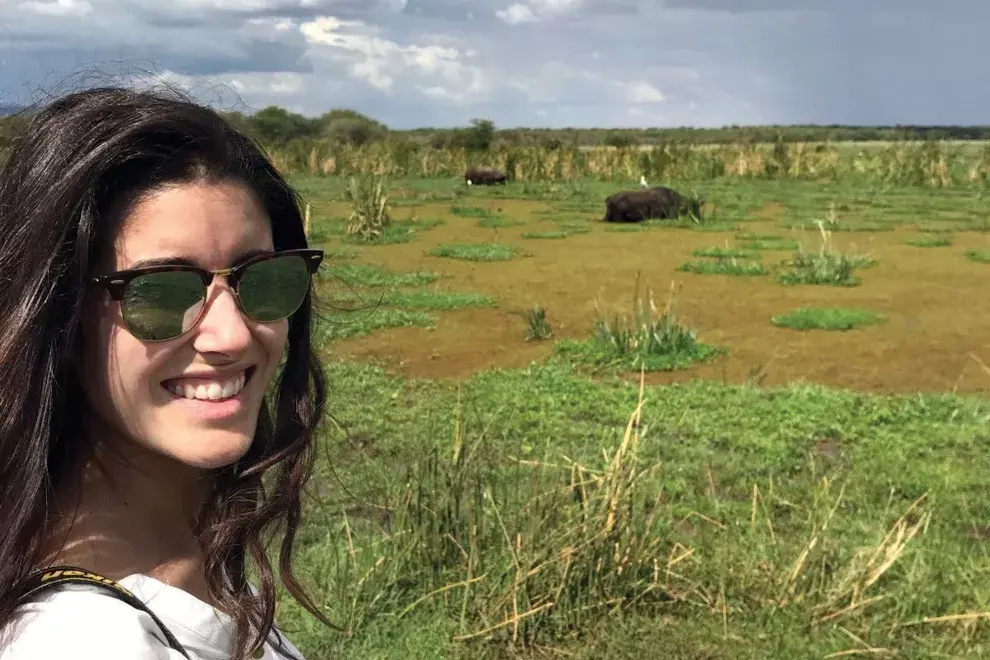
point(278, 127)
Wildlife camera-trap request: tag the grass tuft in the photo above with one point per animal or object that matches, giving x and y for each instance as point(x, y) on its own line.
point(979, 256)
point(939, 241)
point(646, 339)
point(370, 215)
point(722, 253)
point(818, 318)
point(537, 326)
point(825, 267)
point(476, 251)
point(723, 266)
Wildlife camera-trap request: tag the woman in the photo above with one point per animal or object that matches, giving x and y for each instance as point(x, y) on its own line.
point(155, 361)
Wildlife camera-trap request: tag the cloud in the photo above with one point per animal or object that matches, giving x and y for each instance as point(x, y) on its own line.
point(441, 71)
point(516, 14)
point(642, 92)
point(57, 7)
point(523, 62)
point(535, 11)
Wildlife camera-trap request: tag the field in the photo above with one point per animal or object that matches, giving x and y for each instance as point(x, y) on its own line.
point(784, 454)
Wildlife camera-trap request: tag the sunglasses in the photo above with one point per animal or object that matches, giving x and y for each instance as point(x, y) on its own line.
point(159, 303)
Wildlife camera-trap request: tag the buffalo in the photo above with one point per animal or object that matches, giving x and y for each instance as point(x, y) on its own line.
point(639, 205)
point(483, 176)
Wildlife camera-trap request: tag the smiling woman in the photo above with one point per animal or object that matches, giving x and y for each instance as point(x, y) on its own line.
point(158, 276)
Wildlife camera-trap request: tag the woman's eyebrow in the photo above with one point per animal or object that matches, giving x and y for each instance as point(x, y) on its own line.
point(161, 261)
point(185, 261)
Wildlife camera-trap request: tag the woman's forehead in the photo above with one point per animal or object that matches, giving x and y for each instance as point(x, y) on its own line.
point(206, 223)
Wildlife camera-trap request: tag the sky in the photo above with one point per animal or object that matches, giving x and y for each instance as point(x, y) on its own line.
point(553, 63)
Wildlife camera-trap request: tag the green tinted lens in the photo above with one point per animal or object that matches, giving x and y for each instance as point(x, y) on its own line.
point(161, 306)
point(273, 289)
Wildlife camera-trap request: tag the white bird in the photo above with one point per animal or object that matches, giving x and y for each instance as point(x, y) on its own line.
point(642, 182)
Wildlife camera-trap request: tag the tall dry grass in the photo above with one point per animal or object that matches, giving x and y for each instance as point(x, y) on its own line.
point(935, 164)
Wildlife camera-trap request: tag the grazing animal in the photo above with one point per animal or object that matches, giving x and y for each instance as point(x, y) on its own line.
point(484, 176)
point(639, 205)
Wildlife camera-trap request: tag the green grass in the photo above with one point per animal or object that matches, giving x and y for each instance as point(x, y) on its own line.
point(643, 339)
point(512, 516)
point(722, 266)
point(354, 323)
point(489, 218)
point(760, 242)
point(357, 312)
point(476, 251)
point(537, 326)
point(935, 228)
point(470, 211)
point(626, 227)
point(397, 231)
point(746, 522)
point(366, 275)
point(563, 232)
point(979, 256)
point(834, 318)
point(714, 227)
point(359, 299)
point(941, 241)
point(751, 236)
point(422, 299)
point(339, 253)
point(497, 221)
point(722, 253)
point(787, 245)
point(827, 266)
point(822, 269)
point(981, 225)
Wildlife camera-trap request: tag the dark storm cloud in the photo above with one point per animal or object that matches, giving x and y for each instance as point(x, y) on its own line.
point(533, 62)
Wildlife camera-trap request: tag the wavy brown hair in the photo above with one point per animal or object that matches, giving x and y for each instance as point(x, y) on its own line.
point(74, 162)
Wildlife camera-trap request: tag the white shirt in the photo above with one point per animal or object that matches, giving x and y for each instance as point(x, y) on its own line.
point(82, 622)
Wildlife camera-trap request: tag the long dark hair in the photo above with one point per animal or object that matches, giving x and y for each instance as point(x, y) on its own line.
point(74, 161)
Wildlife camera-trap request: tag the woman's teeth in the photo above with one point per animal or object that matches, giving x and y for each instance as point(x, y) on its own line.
point(208, 390)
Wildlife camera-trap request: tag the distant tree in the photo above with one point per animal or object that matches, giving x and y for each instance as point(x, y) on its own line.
point(618, 140)
point(275, 125)
point(350, 127)
point(238, 119)
point(479, 137)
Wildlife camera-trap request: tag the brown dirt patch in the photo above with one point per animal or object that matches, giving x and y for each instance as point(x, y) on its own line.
point(933, 298)
point(771, 211)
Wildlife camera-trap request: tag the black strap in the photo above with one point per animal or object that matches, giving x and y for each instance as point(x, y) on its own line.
point(70, 574)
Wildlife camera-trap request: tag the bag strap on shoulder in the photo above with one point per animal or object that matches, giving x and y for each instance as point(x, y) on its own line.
point(56, 575)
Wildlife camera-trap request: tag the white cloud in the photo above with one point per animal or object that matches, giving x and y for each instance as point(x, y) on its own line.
point(227, 5)
point(555, 6)
point(560, 62)
point(379, 61)
point(642, 92)
point(57, 7)
point(516, 14)
point(537, 10)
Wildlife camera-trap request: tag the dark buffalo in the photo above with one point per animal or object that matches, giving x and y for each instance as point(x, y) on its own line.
point(484, 176)
point(639, 205)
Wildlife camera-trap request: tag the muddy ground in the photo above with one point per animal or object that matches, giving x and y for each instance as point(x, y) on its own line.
point(936, 300)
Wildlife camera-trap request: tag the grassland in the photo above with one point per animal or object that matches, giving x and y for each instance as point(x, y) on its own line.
point(801, 471)
point(937, 164)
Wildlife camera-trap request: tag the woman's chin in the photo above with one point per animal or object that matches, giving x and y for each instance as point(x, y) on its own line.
point(214, 449)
